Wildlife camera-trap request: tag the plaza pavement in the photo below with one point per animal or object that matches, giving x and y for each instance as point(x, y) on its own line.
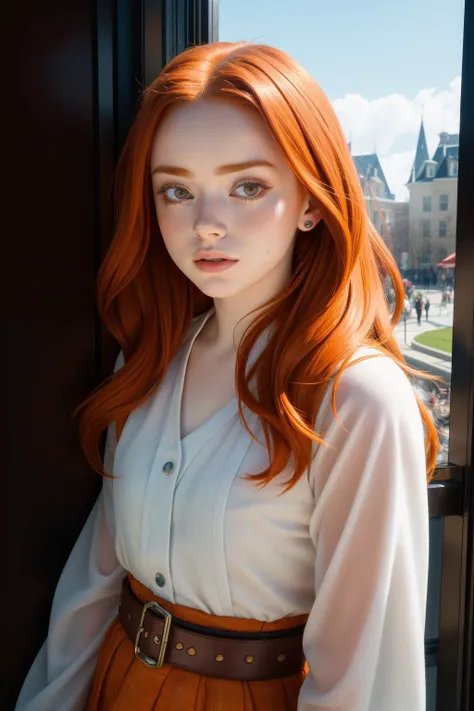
point(439, 317)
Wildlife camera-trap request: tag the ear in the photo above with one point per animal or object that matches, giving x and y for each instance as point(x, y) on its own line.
point(309, 214)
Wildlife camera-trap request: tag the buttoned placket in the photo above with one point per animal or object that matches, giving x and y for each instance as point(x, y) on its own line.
point(166, 468)
point(171, 459)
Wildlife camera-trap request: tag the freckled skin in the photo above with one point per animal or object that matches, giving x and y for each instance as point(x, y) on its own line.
point(259, 233)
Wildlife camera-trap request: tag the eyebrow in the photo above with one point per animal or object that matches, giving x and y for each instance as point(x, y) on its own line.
point(222, 170)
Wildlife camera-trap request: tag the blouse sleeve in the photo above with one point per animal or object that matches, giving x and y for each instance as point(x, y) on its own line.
point(85, 603)
point(364, 639)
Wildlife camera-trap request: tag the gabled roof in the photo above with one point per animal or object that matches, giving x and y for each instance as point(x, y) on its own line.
point(443, 170)
point(447, 150)
point(420, 156)
point(367, 167)
point(423, 177)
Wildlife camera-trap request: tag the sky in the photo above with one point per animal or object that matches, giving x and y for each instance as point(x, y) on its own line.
point(382, 63)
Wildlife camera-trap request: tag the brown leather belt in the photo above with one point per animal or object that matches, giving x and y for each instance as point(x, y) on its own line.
point(160, 638)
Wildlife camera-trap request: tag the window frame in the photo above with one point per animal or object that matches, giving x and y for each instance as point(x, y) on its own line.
point(441, 203)
point(451, 492)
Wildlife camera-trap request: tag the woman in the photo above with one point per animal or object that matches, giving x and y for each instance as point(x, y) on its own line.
point(263, 521)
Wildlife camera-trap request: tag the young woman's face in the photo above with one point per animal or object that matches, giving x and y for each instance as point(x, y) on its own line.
point(216, 199)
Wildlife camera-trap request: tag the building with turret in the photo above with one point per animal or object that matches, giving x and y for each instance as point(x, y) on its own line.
point(432, 185)
point(389, 216)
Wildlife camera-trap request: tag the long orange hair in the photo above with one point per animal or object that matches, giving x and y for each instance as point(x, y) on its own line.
point(333, 304)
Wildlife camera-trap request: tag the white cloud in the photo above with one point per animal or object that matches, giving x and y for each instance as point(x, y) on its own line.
point(390, 121)
point(396, 167)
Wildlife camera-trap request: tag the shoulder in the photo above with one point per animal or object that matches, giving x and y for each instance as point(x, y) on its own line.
point(196, 325)
point(376, 423)
point(374, 388)
point(374, 378)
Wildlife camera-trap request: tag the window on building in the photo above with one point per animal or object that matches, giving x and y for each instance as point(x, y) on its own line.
point(427, 204)
point(452, 167)
point(375, 218)
point(430, 171)
point(443, 228)
point(443, 203)
point(426, 228)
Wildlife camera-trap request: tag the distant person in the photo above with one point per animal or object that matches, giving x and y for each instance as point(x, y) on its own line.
point(418, 309)
point(427, 307)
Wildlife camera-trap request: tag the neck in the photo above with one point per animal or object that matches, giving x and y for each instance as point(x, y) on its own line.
point(233, 315)
point(226, 328)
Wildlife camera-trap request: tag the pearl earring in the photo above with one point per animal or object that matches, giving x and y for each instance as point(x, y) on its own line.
point(308, 224)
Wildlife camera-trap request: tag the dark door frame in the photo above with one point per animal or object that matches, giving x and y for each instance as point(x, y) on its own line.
point(455, 500)
point(134, 41)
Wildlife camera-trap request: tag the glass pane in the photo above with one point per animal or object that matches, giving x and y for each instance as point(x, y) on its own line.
point(401, 120)
point(397, 97)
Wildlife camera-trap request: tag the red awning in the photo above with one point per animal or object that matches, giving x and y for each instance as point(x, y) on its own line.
point(449, 261)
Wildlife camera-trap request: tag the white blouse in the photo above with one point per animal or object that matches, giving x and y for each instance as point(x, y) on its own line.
point(348, 545)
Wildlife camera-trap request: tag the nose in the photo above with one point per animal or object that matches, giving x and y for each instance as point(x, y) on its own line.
point(209, 227)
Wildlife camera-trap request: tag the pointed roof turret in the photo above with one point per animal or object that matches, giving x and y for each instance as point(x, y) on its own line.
point(421, 155)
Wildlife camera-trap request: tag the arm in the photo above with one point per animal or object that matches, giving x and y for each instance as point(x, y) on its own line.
point(364, 640)
point(84, 605)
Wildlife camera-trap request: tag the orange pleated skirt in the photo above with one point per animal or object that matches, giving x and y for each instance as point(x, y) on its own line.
point(123, 683)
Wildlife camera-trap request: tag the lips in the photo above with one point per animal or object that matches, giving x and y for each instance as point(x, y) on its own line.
point(220, 259)
point(212, 256)
point(214, 266)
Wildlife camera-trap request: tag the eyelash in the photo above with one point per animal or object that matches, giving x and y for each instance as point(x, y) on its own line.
point(162, 191)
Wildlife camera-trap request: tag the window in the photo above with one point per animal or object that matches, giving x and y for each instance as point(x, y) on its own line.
point(411, 153)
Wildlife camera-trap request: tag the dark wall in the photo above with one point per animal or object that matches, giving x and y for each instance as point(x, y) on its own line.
point(53, 359)
point(77, 69)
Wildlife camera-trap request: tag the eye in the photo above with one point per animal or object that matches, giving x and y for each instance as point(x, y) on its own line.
point(174, 193)
point(252, 190)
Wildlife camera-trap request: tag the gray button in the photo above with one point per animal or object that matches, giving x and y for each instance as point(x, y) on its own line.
point(168, 468)
point(160, 580)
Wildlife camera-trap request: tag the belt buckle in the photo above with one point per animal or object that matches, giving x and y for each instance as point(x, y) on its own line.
point(160, 611)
